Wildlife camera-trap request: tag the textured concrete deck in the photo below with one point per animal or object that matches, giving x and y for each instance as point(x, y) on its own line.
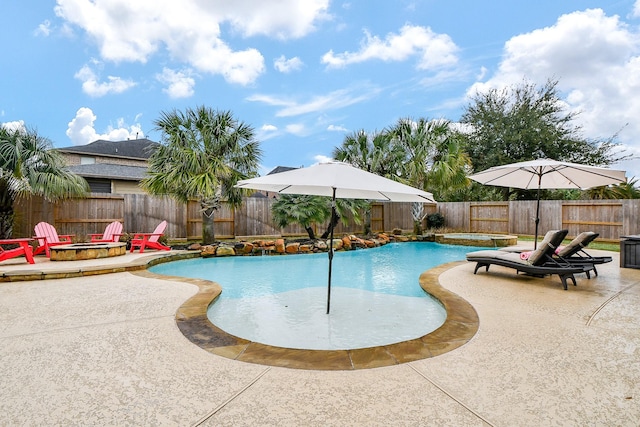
point(106, 350)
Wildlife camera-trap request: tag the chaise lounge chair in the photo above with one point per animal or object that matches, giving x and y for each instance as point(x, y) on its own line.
point(574, 252)
point(48, 236)
point(150, 240)
point(539, 262)
point(111, 234)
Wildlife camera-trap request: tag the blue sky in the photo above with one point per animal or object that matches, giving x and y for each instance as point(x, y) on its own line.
point(304, 73)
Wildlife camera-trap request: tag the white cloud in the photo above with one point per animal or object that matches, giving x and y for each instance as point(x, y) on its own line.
point(320, 158)
point(320, 103)
point(285, 65)
point(595, 58)
point(92, 87)
point(636, 9)
point(269, 128)
point(190, 30)
point(81, 129)
point(44, 28)
point(336, 128)
point(297, 129)
point(433, 50)
point(16, 125)
point(179, 83)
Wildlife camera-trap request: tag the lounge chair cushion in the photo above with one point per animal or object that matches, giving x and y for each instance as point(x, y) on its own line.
point(575, 244)
point(536, 256)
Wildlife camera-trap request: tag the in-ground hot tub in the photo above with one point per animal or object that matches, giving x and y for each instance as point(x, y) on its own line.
point(477, 239)
point(80, 251)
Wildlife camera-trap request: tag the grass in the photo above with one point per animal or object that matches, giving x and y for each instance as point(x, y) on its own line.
point(602, 245)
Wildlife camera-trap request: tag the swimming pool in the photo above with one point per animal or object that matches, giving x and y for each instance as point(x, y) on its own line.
point(281, 300)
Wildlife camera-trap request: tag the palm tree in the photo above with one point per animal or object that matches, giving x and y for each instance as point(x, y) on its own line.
point(305, 210)
point(29, 166)
point(300, 209)
point(434, 160)
point(373, 153)
point(624, 190)
point(203, 154)
point(355, 207)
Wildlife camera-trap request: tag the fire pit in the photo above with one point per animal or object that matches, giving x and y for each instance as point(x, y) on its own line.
point(80, 251)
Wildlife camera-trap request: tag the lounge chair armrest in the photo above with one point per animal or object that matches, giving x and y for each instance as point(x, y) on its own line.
point(142, 235)
point(66, 236)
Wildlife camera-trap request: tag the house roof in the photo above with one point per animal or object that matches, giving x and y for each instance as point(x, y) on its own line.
point(279, 169)
point(132, 148)
point(109, 171)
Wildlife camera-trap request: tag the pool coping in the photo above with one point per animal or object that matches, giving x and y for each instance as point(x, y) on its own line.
point(460, 326)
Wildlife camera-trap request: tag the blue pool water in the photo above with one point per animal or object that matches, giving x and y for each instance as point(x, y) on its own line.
point(281, 300)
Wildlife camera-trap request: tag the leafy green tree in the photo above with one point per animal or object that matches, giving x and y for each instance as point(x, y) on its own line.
point(525, 122)
point(300, 209)
point(203, 154)
point(29, 166)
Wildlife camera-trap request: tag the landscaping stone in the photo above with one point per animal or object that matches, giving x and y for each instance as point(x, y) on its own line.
point(292, 248)
point(280, 248)
point(346, 243)
point(225, 251)
point(208, 251)
point(337, 244)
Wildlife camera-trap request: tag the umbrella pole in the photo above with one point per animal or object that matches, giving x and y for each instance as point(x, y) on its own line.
point(535, 240)
point(333, 212)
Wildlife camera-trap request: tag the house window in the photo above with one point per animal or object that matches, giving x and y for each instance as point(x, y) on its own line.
point(87, 160)
point(99, 185)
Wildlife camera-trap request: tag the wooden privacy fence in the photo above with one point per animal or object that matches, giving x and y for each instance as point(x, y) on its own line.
point(610, 218)
point(141, 213)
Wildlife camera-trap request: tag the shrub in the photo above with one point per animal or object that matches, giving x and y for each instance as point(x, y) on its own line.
point(435, 220)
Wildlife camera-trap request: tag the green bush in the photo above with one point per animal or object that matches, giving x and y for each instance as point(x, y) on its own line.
point(435, 220)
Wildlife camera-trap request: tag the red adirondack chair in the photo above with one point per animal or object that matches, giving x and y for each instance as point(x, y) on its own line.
point(48, 236)
point(111, 234)
point(150, 240)
point(23, 249)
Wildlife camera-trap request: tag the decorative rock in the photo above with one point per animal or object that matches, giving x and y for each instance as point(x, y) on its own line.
point(337, 244)
point(194, 247)
point(402, 238)
point(279, 244)
point(305, 248)
point(208, 251)
point(244, 248)
point(321, 245)
point(383, 236)
point(346, 243)
point(370, 243)
point(225, 251)
point(292, 248)
point(357, 242)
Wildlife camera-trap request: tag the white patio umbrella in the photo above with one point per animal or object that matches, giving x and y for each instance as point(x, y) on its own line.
point(339, 181)
point(548, 174)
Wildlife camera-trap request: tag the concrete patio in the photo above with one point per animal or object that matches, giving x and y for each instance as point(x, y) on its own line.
point(105, 349)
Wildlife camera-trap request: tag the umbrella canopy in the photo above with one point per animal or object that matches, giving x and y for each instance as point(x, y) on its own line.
point(347, 181)
point(548, 174)
point(339, 181)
